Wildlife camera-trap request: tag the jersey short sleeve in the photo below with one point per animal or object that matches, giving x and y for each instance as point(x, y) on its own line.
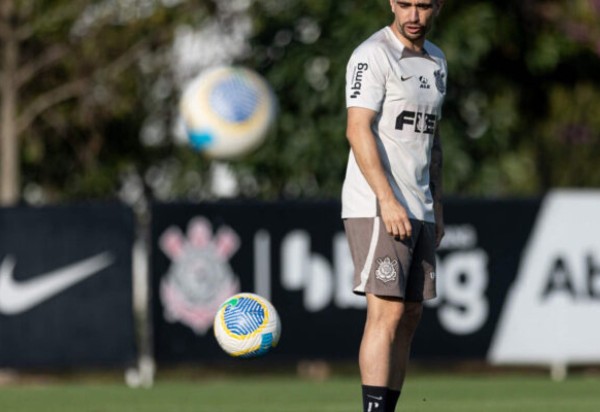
point(365, 79)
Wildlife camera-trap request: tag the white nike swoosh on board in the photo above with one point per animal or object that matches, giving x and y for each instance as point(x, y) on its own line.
point(18, 297)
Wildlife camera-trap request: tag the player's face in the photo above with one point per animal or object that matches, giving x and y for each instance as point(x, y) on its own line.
point(414, 18)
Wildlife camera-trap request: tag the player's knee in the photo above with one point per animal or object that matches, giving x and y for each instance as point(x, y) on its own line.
point(388, 320)
point(386, 317)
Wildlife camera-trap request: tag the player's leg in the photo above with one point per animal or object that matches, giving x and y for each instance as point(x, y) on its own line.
point(383, 319)
point(385, 350)
point(381, 267)
point(420, 286)
point(384, 316)
point(402, 343)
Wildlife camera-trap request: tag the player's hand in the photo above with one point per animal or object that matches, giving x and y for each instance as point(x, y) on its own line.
point(396, 220)
point(438, 210)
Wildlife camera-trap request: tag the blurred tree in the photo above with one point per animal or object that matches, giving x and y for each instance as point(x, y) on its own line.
point(90, 87)
point(72, 90)
point(518, 68)
point(565, 60)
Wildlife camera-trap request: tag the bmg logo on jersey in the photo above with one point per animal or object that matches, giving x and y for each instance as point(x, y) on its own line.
point(357, 79)
point(422, 122)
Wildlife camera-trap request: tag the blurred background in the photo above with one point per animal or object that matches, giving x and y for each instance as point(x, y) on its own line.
point(95, 163)
point(90, 92)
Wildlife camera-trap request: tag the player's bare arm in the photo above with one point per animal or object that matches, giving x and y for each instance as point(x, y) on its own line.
point(435, 184)
point(364, 147)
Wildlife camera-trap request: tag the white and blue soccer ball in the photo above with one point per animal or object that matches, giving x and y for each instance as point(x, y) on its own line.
point(227, 111)
point(247, 325)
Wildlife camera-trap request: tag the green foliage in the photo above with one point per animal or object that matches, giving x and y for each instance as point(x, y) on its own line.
point(81, 145)
point(521, 114)
point(571, 135)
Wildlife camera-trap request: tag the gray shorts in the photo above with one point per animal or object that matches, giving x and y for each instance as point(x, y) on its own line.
point(386, 266)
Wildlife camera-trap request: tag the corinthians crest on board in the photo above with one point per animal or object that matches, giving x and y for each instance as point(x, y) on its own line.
point(200, 277)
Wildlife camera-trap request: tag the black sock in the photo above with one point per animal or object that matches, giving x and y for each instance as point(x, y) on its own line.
point(374, 398)
point(392, 400)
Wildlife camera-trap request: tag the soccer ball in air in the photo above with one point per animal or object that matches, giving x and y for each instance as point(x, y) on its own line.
point(247, 325)
point(227, 111)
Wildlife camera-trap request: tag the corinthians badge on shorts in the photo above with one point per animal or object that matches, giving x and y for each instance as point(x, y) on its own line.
point(387, 269)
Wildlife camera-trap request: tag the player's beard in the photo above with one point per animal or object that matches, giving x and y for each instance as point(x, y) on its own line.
point(413, 36)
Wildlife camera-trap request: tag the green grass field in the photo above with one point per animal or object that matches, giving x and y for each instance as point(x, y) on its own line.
point(431, 393)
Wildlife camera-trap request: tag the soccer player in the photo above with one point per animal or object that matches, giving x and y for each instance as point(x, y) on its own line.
point(391, 197)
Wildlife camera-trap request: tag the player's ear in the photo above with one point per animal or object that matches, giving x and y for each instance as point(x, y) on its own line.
point(392, 2)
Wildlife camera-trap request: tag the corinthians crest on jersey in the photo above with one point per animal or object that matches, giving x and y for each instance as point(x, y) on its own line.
point(440, 81)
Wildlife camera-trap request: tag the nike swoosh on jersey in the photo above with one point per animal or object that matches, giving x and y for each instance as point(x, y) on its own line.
point(18, 297)
point(406, 78)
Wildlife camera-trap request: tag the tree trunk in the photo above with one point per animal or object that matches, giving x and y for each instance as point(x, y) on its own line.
point(10, 153)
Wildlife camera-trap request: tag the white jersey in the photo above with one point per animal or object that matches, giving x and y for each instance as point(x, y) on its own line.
point(406, 90)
